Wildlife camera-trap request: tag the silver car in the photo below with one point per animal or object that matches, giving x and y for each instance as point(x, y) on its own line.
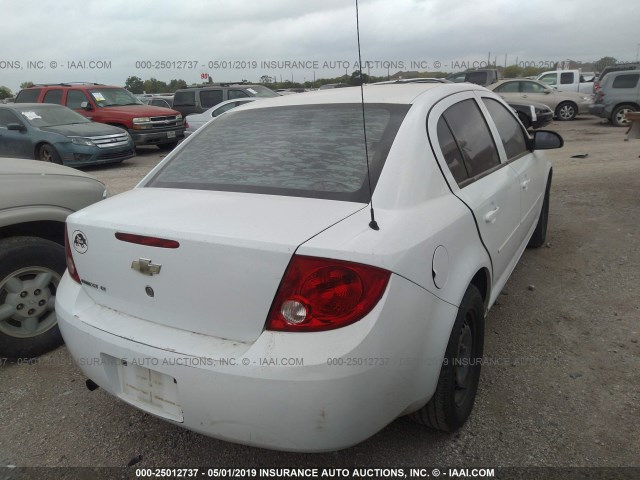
point(196, 120)
point(35, 199)
point(565, 105)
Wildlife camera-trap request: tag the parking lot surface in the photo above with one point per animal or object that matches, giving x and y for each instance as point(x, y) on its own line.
point(560, 382)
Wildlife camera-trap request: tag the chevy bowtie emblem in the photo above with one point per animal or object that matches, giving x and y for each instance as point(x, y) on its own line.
point(145, 267)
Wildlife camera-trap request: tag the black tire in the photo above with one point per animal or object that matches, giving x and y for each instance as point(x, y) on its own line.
point(30, 271)
point(455, 394)
point(167, 146)
point(618, 116)
point(539, 236)
point(526, 121)
point(47, 153)
point(566, 111)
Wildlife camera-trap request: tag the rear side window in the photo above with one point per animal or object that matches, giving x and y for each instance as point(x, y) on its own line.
point(509, 87)
point(185, 99)
point(629, 80)
point(472, 134)
point(7, 117)
point(451, 152)
point(236, 94)
point(509, 129)
point(566, 78)
point(314, 151)
point(209, 98)
point(53, 96)
point(28, 96)
point(75, 99)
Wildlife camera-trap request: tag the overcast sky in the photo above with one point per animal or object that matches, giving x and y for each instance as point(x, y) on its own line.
point(106, 41)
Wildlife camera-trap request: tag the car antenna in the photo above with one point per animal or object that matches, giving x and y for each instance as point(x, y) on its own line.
point(373, 224)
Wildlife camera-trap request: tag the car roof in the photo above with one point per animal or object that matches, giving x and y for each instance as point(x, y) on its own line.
point(395, 94)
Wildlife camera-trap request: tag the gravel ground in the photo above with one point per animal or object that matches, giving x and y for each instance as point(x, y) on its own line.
point(561, 386)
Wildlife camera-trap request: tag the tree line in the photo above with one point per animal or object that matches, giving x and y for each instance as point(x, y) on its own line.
point(137, 86)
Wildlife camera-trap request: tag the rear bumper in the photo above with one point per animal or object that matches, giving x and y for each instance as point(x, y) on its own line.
point(297, 392)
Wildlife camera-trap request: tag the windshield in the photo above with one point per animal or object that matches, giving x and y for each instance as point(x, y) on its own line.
point(113, 97)
point(51, 116)
point(312, 151)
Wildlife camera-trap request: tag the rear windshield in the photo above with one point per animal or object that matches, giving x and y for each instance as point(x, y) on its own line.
point(315, 151)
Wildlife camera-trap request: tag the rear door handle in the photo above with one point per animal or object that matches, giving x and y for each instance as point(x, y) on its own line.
point(490, 217)
point(525, 183)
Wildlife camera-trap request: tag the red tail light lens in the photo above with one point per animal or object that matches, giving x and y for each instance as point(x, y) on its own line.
point(71, 266)
point(318, 294)
point(148, 241)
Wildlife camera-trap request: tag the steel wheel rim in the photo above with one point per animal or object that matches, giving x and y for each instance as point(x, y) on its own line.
point(27, 302)
point(621, 116)
point(46, 155)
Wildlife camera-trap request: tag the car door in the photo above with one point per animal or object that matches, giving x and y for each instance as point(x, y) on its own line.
point(532, 171)
point(14, 143)
point(536, 92)
point(470, 160)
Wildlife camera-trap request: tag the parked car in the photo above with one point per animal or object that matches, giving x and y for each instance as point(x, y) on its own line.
point(247, 278)
point(620, 67)
point(200, 98)
point(197, 120)
point(567, 81)
point(35, 199)
point(147, 125)
point(619, 94)
point(484, 77)
point(565, 105)
point(532, 115)
point(456, 77)
point(53, 133)
point(165, 101)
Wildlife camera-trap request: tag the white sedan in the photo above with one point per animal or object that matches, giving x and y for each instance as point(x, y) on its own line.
point(197, 120)
point(273, 282)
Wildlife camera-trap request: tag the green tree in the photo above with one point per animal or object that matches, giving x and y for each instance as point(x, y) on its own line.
point(26, 85)
point(5, 92)
point(606, 62)
point(153, 85)
point(177, 84)
point(358, 78)
point(134, 84)
point(512, 71)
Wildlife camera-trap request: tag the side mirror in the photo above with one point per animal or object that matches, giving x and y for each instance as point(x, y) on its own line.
point(86, 106)
point(16, 126)
point(546, 140)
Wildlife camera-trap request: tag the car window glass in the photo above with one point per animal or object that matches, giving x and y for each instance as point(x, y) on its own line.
point(451, 152)
point(472, 134)
point(209, 98)
point(53, 96)
point(236, 94)
point(7, 117)
point(28, 96)
point(507, 87)
point(75, 99)
point(626, 81)
point(224, 108)
point(548, 79)
point(509, 129)
point(566, 78)
point(314, 151)
point(185, 99)
point(158, 102)
point(531, 87)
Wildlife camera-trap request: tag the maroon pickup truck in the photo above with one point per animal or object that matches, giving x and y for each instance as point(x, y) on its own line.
point(147, 125)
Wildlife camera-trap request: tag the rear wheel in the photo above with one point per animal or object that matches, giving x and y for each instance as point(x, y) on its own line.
point(618, 117)
point(30, 271)
point(47, 153)
point(455, 393)
point(540, 233)
point(566, 111)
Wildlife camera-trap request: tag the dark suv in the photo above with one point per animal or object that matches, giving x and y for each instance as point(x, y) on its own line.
point(200, 98)
point(147, 124)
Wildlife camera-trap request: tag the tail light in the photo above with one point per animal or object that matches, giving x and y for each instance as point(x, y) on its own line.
point(319, 294)
point(71, 266)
